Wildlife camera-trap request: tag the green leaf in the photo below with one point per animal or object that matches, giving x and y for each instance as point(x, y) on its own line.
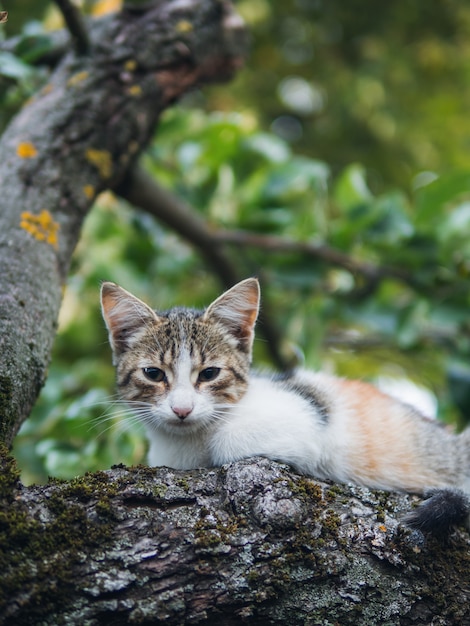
point(433, 199)
point(269, 219)
point(273, 148)
point(391, 224)
point(456, 223)
point(32, 46)
point(12, 67)
point(351, 188)
point(295, 177)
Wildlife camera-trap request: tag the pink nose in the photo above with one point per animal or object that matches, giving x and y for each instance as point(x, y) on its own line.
point(182, 411)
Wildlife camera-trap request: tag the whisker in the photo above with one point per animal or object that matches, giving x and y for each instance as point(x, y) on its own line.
point(122, 414)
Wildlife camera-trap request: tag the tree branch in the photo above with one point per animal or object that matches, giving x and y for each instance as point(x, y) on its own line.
point(141, 190)
point(250, 542)
point(275, 244)
point(144, 192)
point(76, 26)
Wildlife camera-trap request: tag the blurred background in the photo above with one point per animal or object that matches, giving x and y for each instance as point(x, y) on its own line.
point(349, 127)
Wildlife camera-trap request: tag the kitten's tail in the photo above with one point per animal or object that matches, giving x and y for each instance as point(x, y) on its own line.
point(444, 509)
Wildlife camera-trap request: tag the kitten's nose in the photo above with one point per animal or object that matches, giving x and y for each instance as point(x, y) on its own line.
point(182, 411)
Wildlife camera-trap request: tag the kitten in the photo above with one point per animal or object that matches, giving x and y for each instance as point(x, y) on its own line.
point(186, 374)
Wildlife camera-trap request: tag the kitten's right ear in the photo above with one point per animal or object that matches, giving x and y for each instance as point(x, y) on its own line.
point(124, 315)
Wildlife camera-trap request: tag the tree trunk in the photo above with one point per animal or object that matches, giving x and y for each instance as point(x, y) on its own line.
point(250, 542)
point(79, 136)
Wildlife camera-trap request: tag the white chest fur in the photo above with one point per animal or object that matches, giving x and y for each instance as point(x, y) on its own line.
point(269, 421)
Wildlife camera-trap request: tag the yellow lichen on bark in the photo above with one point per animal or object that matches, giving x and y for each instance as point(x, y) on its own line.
point(184, 26)
point(101, 159)
point(89, 191)
point(130, 65)
point(26, 150)
point(77, 78)
point(135, 90)
point(42, 227)
point(46, 89)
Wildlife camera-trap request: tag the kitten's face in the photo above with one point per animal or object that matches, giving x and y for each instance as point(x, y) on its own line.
point(181, 369)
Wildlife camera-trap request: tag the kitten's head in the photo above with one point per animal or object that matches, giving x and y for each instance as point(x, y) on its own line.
point(180, 369)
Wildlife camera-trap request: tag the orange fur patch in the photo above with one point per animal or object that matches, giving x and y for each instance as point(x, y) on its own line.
point(385, 440)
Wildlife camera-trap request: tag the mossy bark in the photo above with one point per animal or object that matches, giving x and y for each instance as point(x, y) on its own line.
point(80, 135)
point(251, 542)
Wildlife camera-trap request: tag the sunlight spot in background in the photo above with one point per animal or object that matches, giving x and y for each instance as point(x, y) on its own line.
point(409, 392)
point(301, 96)
point(254, 12)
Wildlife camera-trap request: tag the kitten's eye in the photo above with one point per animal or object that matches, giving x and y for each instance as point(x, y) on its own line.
point(208, 374)
point(154, 374)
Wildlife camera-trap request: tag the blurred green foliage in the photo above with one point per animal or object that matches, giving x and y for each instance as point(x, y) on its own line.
point(343, 82)
point(349, 129)
point(354, 82)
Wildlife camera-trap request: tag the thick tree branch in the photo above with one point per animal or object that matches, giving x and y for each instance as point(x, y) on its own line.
point(250, 542)
point(81, 135)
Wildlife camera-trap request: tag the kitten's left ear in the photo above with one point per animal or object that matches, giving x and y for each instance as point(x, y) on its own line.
point(238, 309)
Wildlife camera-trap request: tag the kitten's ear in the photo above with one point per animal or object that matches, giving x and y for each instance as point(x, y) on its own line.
point(238, 309)
point(124, 315)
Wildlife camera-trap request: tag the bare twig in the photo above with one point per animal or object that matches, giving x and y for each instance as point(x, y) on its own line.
point(144, 192)
point(273, 243)
point(76, 26)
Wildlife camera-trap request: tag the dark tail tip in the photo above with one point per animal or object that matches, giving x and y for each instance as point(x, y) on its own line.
point(444, 509)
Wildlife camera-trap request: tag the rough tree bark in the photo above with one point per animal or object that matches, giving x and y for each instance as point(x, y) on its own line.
point(80, 135)
point(250, 542)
